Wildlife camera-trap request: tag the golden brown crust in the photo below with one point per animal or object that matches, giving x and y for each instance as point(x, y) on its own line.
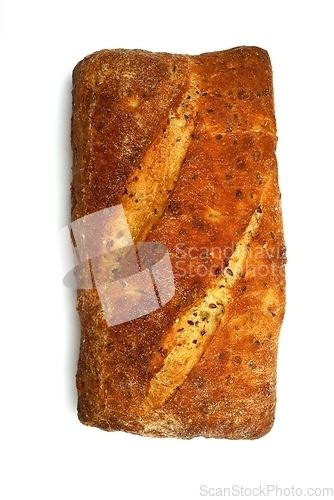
point(187, 145)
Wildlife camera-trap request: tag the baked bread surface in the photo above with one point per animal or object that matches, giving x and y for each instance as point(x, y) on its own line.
point(186, 144)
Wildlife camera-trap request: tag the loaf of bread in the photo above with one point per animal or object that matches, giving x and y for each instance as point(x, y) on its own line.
point(175, 185)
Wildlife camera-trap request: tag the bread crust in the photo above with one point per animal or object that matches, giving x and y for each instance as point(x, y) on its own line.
point(186, 144)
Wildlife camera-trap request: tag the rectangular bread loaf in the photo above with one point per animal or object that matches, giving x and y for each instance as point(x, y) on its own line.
point(176, 219)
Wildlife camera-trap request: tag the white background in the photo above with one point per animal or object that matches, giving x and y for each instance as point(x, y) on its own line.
point(46, 452)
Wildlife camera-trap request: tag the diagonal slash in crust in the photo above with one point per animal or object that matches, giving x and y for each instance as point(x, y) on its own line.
point(196, 328)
